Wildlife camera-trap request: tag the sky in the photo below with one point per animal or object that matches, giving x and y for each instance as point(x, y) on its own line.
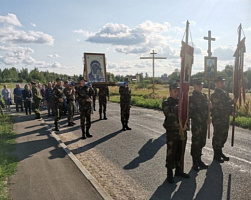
point(53, 34)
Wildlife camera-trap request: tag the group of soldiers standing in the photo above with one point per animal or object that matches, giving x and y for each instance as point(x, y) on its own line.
point(221, 106)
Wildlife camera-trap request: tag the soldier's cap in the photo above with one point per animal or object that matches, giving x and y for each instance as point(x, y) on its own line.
point(219, 78)
point(33, 82)
point(173, 86)
point(58, 79)
point(82, 79)
point(197, 81)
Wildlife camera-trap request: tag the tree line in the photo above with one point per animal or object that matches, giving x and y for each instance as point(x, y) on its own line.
point(9, 75)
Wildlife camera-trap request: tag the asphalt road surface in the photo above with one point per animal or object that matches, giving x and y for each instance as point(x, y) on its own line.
point(131, 164)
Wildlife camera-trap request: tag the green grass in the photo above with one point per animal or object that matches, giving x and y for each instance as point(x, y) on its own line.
point(243, 122)
point(9, 85)
point(8, 161)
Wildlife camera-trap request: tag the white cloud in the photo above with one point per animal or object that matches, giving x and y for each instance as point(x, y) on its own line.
point(224, 52)
point(10, 19)
point(33, 24)
point(53, 56)
point(248, 29)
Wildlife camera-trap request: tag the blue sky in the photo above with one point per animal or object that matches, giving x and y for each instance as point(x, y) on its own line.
point(53, 35)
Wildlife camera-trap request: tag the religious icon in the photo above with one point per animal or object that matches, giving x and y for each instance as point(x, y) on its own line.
point(187, 68)
point(210, 68)
point(95, 70)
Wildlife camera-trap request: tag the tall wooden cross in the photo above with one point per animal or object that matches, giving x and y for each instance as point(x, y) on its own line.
point(209, 38)
point(153, 58)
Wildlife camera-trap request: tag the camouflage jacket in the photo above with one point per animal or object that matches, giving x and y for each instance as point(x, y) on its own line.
point(125, 95)
point(36, 95)
point(221, 105)
point(57, 93)
point(103, 93)
point(170, 110)
point(69, 97)
point(83, 93)
point(198, 107)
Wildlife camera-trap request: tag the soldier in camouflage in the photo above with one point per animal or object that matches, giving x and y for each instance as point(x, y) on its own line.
point(125, 105)
point(58, 102)
point(221, 110)
point(36, 97)
point(83, 95)
point(198, 112)
point(103, 95)
point(173, 140)
point(69, 92)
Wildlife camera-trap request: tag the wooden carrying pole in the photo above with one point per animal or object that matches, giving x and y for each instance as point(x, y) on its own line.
point(237, 63)
point(209, 38)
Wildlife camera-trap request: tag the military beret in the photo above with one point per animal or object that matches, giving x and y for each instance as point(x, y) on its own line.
point(197, 81)
point(174, 86)
point(58, 79)
point(219, 78)
point(66, 81)
point(33, 82)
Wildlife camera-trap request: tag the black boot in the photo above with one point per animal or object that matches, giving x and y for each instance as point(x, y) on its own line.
point(56, 127)
point(105, 118)
point(127, 127)
point(87, 133)
point(170, 176)
point(100, 116)
point(195, 164)
point(83, 134)
point(225, 158)
point(179, 172)
point(123, 127)
point(202, 165)
point(217, 156)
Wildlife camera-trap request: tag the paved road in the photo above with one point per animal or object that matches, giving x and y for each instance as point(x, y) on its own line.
point(136, 159)
point(44, 170)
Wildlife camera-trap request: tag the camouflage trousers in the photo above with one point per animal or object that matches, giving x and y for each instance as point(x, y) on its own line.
point(102, 106)
point(220, 134)
point(70, 109)
point(125, 112)
point(58, 111)
point(175, 149)
point(85, 118)
point(35, 107)
point(199, 137)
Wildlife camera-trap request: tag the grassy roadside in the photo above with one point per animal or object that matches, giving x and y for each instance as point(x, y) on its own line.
point(142, 97)
point(8, 161)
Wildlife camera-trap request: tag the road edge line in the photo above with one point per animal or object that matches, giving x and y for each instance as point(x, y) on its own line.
point(79, 165)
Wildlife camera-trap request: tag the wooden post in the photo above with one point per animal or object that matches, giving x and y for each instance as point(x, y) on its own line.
point(153, 58)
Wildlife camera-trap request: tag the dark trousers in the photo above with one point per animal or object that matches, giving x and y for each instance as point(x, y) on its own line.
point(27, 106)
point(19, 102)
point(85, 118)
point(125, 112)
point(50, 106)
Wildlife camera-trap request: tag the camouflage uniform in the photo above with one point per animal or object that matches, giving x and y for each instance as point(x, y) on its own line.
point(221, 110)
point(70, 103)
point(103, 94)
point(84, 93)
point(125, 105)
point(198, 112)
point(173, 141)
point(36, 95)
point(95, 93)
point(57, 106)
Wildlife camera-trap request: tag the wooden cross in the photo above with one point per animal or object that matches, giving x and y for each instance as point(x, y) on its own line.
point(153, 58)
point(209, 38)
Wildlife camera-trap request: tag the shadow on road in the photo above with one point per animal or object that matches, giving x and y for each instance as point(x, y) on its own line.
point(213, 184)
point(147, 152)
point(93, 144)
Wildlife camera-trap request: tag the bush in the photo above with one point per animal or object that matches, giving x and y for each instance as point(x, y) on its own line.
point(243, 122)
